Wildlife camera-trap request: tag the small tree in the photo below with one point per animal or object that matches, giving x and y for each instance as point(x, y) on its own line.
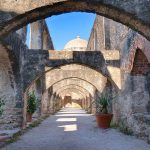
point(2, 103)
point(31, 102)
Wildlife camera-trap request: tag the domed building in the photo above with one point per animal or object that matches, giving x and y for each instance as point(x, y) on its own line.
point(77, 44)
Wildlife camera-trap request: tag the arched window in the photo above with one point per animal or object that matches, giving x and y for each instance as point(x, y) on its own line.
point(140, 64)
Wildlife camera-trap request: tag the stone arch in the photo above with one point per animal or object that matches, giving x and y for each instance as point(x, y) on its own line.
point(140, 64)
point(118, 11)
point(83, 89)
point(80, 99)
point(50, 73)
point(76, 81)
point(74, 86)
point(89, 96)
point(135, 91)
point(87, 74)
point(140, 82)
point(138, 43)
point(71, 89)
point(90, 88)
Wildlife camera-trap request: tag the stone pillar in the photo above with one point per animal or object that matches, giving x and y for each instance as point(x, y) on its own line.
point(47, 41)
point(44, 103)
point(51, 103)
point(54, 102)
point(89, 104)
point(83, 103)
point(107, 33)
point(22, 34)
point(36, 35)
point(38, 92)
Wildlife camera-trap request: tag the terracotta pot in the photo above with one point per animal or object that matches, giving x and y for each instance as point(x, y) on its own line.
point(29, 117)
point(104, 120)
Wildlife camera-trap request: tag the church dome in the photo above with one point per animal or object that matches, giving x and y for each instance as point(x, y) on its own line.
point(77, 44)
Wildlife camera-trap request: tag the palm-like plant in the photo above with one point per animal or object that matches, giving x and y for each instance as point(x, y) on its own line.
point(102, 104)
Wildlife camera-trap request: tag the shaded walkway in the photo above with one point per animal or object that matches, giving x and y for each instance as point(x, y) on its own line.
point(73, 129)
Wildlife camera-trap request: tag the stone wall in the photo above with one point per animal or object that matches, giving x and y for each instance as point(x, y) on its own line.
point(8, 90)
point(131, 102)
point(14, 78)
point(116, 61)
point(40, 39)
point(135, 14)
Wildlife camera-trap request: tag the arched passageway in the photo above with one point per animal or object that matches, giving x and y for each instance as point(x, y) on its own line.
point(88, 79)
point(37, 74)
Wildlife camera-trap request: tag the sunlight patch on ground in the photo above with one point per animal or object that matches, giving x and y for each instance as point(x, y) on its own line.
point(73, 112)
point(71, 115)
point(66, 119)
point(71, 127)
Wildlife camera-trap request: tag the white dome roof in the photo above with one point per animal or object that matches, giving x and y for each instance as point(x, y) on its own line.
point(77, 44)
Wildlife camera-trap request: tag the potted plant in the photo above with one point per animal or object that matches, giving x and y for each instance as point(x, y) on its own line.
point(31, 105)
point(103, 118)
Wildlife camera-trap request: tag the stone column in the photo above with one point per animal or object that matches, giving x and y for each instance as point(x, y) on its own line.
point(44, 103)
point(47, 41)
point(36, 35)
point(22, 34)
point(38, 92)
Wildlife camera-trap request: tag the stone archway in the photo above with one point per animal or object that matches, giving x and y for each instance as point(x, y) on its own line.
point(59, 86)
point(120, 11)
point(86, 101)
point(74, 81)
point(92, 76)
point(81, 72)
point(77, 95)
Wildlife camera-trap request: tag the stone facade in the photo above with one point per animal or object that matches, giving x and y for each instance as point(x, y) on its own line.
point(116, 61)
point(134, 14)
point(7, 92)
point(132, 100)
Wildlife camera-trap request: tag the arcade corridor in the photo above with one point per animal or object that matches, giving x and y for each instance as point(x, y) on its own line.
point(73, 129)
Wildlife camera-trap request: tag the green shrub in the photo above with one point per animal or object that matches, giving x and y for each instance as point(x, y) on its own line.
point(124, 128)
point(31, 102)
point(2, 103)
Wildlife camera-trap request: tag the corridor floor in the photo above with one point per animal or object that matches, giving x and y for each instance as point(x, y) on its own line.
point(73, 129)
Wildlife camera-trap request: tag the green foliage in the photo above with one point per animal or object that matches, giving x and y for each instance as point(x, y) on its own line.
point(124, 128)
point(2, 103)
point(114, 125)
point(102, 103)
point(31, 102)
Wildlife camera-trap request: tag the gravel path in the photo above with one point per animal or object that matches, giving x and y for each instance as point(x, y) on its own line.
point(73, 129)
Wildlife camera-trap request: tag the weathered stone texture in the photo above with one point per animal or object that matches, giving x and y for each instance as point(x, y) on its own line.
point(7, 92)
point(22, 34)
point(40, 37)
point(141, 64)
point(131, 102)
point(78, 83)
point(117, 61)
point(135, 14)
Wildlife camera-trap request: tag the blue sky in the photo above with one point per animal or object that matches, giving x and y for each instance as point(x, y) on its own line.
point(66, 27)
